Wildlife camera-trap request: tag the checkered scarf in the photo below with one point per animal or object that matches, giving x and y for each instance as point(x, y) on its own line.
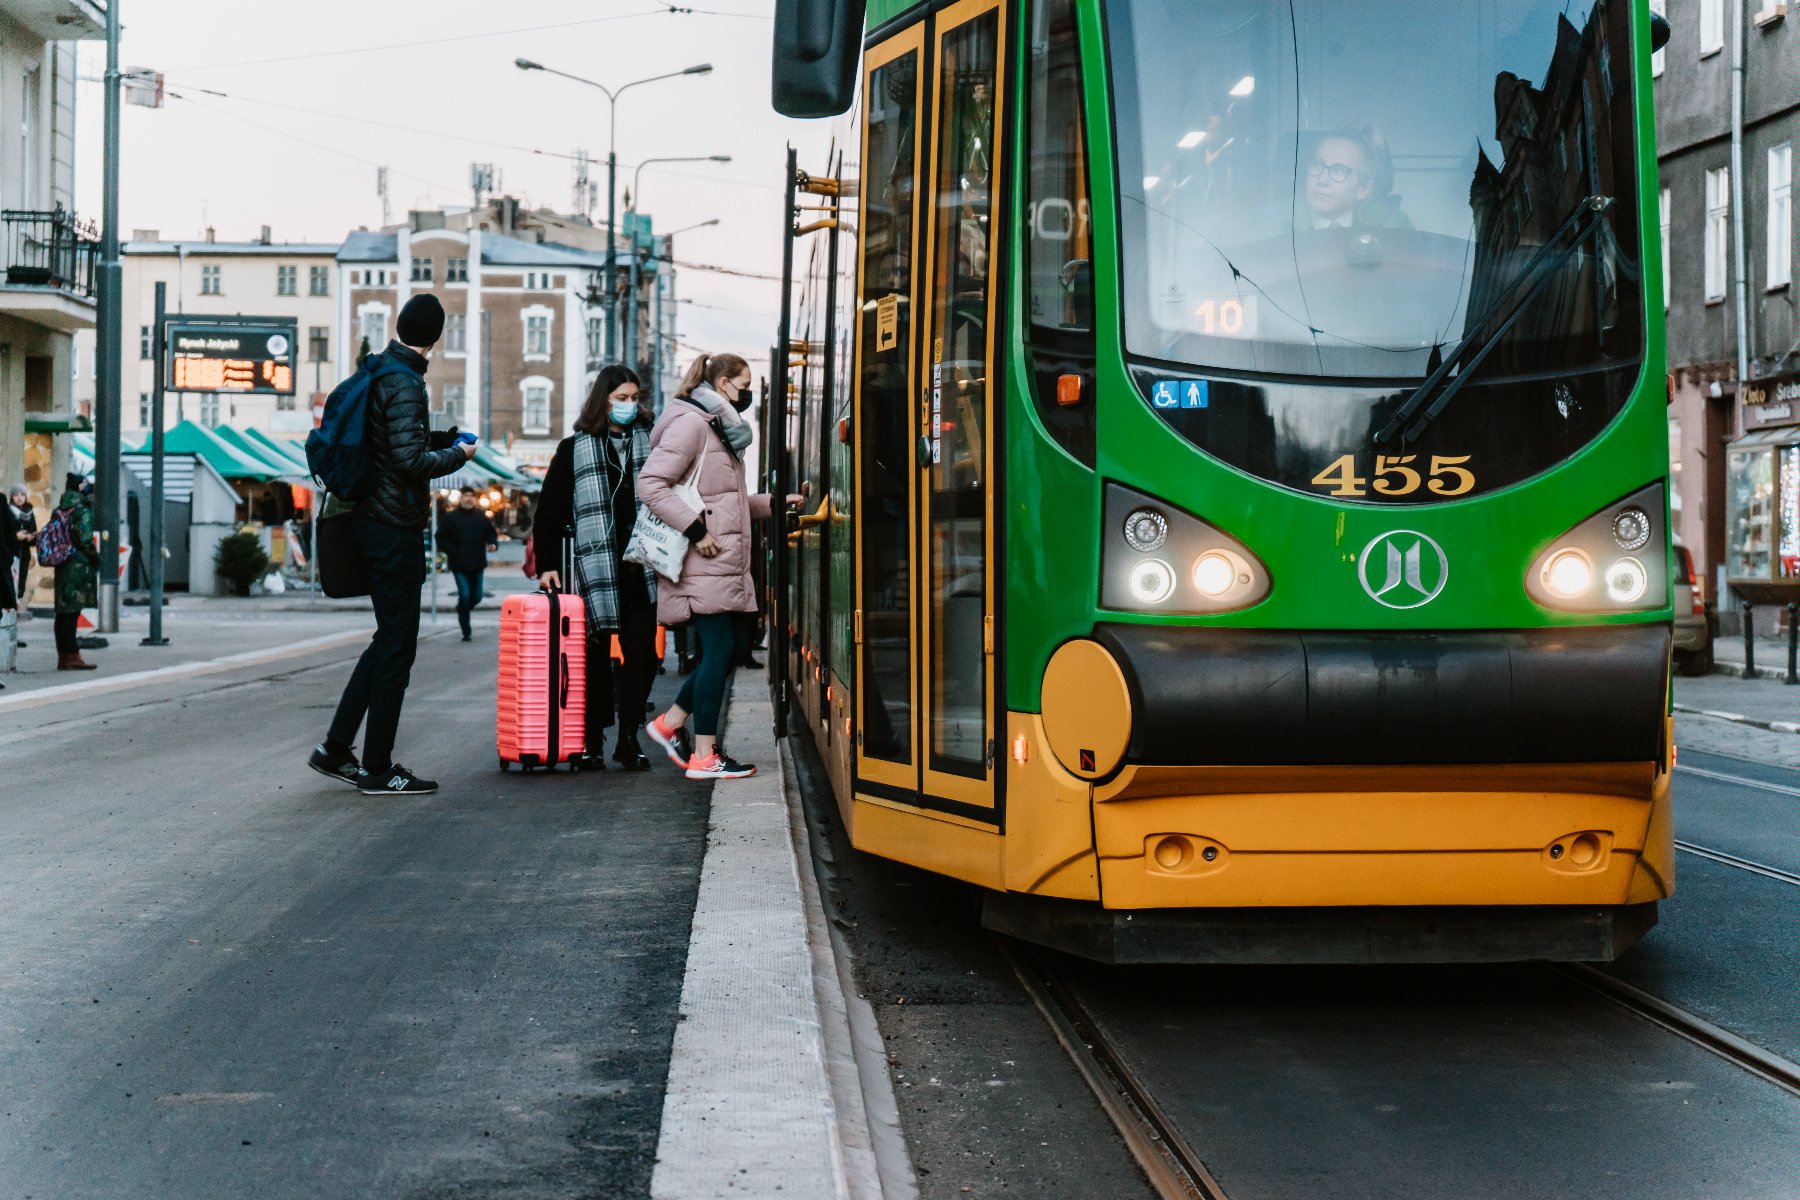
point(596, 558)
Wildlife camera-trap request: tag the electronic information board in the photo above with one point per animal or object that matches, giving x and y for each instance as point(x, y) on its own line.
point(253, 355)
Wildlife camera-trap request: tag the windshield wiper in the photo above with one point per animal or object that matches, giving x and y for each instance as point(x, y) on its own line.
point(1460, 366)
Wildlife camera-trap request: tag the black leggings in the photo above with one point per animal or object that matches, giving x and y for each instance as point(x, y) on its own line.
point(703, 693)
point(66, 637)
point(637, 645)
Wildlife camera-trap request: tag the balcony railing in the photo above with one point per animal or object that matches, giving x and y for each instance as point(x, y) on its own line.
point(49, 249)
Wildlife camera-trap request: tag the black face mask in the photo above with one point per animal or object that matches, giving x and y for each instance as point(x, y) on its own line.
point(742, 401)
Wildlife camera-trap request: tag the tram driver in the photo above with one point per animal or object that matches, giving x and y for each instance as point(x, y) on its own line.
point(1349, 182)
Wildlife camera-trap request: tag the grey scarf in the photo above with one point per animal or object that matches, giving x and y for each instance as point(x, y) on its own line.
point(731, 426)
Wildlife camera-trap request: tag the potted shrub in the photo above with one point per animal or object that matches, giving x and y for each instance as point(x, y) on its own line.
point(241, 561)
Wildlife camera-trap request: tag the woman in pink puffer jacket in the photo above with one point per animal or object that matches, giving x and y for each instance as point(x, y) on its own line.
point(703, 419)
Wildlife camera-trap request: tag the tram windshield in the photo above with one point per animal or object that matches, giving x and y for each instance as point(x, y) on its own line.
point(1342, 190)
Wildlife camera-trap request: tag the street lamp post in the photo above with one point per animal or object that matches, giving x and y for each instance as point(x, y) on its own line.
point(612, 169)
point(631, 303)
point(107, 407)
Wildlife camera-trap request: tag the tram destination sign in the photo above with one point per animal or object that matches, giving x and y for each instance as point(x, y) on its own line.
point(250, 355)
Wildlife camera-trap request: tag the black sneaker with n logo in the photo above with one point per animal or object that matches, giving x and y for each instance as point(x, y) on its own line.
point(396, 781)
point(340, 765)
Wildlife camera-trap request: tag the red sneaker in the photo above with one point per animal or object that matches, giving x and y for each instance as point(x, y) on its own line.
point(718, 766)
point(675, 742)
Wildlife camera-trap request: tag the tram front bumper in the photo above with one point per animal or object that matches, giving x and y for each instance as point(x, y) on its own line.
point(1271, 769)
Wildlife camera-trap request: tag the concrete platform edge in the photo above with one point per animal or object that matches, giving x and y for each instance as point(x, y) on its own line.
point(749, 1109)
point(880, 1166)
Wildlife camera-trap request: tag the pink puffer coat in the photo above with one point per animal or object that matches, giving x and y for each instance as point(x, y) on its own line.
point(720, 584)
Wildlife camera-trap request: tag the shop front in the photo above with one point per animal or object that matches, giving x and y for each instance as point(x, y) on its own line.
point(1762, 494)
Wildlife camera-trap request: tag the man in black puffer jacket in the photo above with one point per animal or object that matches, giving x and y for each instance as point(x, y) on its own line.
point(390, 533)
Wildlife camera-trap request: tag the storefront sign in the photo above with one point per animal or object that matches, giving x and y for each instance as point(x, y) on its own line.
point(1772, 402)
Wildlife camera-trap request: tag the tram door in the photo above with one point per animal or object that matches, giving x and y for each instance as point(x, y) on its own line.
point(925, 400)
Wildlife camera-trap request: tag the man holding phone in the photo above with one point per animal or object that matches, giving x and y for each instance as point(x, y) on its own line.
point(389, 529)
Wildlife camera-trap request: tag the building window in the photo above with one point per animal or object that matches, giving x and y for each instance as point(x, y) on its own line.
point(1718, 231)
point(452, 394)
point(209, 409)
point(456, 270)
point(145, 348)
point(321, 280)
point(421, 270)
point(537, 336)
point(1661, 9)
point(374, 326)
point(143, 410)
point(1712, 26)
point(209, 281)
point(1781, 217)
point(537, 406)
point(1666, 204)
point(596, 338)
point(537, 281)
point(318, 343)
point(456, 333)
point(287, 281)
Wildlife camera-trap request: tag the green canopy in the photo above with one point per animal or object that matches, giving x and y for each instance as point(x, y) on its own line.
point(505, 472)
point(224, 457)
point(255, 451)
point(287, 449)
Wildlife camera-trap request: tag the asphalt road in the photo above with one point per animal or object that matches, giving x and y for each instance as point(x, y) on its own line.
point(224, 976)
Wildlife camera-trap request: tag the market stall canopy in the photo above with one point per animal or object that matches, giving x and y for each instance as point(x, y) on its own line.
point(284, 468)
point(225, 458)
point(287, 448)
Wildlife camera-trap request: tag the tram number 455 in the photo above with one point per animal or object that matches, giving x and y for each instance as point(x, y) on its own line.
point(1396, 475)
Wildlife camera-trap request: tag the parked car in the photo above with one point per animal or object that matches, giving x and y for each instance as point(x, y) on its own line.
point(1693, 634)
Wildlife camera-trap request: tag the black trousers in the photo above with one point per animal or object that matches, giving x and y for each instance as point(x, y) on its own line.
point(625, 689)
point(377, 687)
point(67, 626)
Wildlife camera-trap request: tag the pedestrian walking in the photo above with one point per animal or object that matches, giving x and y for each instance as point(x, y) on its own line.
point(465, 535)
point(591, 488)
point(703, 425)
point(389, 534)
point(77, 569)
point(25, 526)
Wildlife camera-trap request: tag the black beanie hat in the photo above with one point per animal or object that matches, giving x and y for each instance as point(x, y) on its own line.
point(421, 322)
point(74, 481)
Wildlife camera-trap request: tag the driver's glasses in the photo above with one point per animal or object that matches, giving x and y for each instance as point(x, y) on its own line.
point(1336, 172)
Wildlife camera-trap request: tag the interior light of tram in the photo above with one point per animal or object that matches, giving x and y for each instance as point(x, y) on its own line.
point(1194, 138)
point(1244, 86)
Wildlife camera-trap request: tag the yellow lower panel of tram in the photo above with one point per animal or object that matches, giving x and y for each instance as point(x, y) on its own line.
point(1510, 834)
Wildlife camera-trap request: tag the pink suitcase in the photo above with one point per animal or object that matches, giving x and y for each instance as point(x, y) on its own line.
point(542, 713)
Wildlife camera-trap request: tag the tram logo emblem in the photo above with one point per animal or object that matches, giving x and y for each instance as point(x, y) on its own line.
point(1403, 569)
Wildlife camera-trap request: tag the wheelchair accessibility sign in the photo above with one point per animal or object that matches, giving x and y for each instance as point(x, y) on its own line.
point(1179, 393)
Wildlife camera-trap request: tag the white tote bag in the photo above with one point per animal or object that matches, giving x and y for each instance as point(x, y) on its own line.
point(654, 542)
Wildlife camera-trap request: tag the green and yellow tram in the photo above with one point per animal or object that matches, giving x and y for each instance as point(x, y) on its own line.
point(1235, 454)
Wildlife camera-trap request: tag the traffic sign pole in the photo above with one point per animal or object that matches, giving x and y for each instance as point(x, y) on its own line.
point(158, 531)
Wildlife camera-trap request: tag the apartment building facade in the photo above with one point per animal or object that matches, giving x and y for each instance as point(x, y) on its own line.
point(523, 323)
point(47, 254)
point(1734, 445)
point(206, 277)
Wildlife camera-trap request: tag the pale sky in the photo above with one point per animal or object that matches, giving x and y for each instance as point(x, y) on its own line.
point(264, 153)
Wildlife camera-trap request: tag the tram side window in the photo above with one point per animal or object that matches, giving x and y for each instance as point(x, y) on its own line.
point(884, 475)
point(1059, 244)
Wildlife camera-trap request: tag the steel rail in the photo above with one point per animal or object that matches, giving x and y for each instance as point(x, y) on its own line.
point(1742, 864)
point(1764, 1064)
point(1741, 781)
point(1173, 1167)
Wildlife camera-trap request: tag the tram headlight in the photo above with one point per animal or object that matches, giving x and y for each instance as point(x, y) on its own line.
point(1588, 570)
point(1152, 581)
point(1626, 581)
point(1156, 558)
point(1569, 574)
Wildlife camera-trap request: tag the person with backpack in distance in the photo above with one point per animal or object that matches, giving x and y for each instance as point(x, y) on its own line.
point(591, 487)
point(465, 535)
point(376, 448)
point(66, 544)
point(25, 532)
point(697, 447)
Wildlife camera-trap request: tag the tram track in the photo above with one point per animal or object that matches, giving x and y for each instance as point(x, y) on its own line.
point(1760, 785)
point(1742, 864)
point(1764, 1064)
point(1170, 1162)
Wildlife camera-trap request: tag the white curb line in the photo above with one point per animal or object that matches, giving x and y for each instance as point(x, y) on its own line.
point(1739, 719)
point(749, 1110)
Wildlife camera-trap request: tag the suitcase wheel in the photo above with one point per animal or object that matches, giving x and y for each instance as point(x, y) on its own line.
point(574, 767)
point(505, 766)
